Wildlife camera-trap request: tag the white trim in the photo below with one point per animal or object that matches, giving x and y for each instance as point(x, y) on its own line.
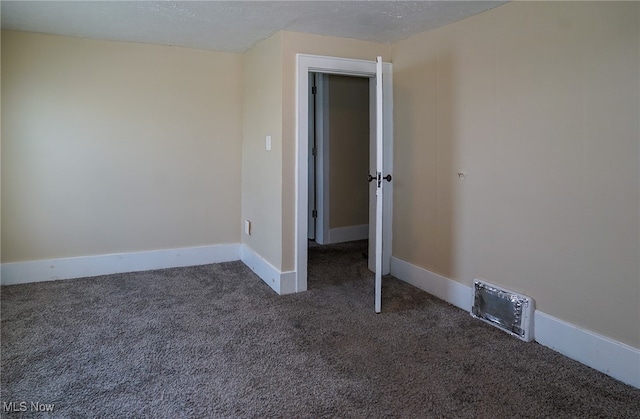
point(444, 288)
point(87, 266)
point(324, 154)
point(349, 233)
point(312, 234)
point(330, 65)
point(323, 192)
point(611, 357)
point(606, 355)
point(280, 282)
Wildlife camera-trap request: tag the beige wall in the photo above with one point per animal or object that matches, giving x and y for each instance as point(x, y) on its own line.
point(537, 102)
point(294, 43)
point(112, 147)
point(268, 178)
point(348, 151)
point(261, 169)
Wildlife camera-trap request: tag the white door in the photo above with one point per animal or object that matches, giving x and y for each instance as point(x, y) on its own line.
point(379, 190)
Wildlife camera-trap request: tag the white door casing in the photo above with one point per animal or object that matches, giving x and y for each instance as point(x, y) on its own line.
point(332, 65)
point(322, 160)
point(311, 222)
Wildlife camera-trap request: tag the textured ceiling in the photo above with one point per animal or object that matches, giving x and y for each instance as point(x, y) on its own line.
point(233, 26)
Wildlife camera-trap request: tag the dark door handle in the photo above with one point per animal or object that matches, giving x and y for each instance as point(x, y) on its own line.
point(387, 178)
point(370, 178)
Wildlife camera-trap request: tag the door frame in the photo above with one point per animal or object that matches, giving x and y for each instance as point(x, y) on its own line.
point(332, 65)
point(322, 161)
point(322, 186)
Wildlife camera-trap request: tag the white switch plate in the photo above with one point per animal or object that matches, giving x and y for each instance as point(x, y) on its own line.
point(247, 227)
point(268, 143)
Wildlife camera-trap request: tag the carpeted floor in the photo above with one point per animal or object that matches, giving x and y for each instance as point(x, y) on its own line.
point(215, 341)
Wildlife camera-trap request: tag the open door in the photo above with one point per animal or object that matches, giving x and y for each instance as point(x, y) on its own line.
point(384, 206)
point(379, 191)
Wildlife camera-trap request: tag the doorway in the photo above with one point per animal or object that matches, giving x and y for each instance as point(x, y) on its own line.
point(341, 66)
point(340, 132)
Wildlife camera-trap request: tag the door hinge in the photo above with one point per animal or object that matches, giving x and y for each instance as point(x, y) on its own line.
point(314, 90)
point(314, 213)
point(314, 151)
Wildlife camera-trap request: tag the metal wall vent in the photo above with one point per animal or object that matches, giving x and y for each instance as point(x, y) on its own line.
point(504, 309)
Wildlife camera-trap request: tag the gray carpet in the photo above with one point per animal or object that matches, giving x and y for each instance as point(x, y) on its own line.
point(215, 341)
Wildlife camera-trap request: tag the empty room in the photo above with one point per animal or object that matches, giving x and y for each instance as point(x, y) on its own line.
point(320, 209)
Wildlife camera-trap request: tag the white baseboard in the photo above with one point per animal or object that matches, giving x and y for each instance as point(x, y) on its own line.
point(348, 234)
point(281, 282)
point(87, 266)
point(613, 358)
point(444, 288)
point(606, 355)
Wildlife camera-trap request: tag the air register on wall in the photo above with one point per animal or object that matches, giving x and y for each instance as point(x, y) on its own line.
point(503, 309)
